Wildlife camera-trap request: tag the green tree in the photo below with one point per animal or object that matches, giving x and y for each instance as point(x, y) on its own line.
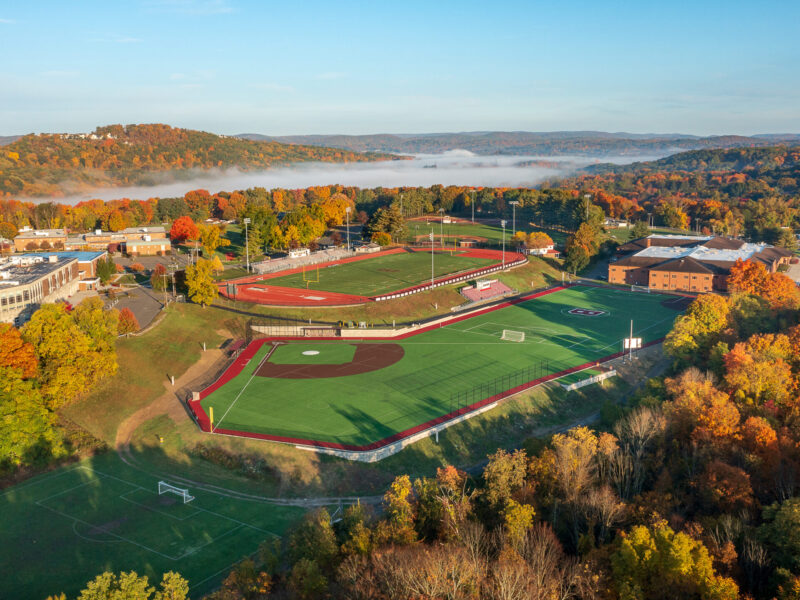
point(132, 586)
point(106, 269)
point(640, 230)
point(66, 359)
point(28, 432)
point(581, 247)
point(314, 539)
point(657, 563)
point(306, 580)
point(200, 283)
point(781, 531)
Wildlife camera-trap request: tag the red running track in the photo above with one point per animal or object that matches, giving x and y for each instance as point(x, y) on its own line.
point(251, 288)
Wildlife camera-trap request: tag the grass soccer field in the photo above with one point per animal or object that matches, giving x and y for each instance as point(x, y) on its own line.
point(563, 329)
point(381, 274)
point(103, 515)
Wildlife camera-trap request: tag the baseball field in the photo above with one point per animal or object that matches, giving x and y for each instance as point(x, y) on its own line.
point(354, 393)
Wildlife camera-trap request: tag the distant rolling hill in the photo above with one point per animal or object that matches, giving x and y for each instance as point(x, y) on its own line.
point(51, 165)
point(577, 143)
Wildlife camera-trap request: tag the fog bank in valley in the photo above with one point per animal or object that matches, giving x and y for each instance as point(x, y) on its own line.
point(457, 167)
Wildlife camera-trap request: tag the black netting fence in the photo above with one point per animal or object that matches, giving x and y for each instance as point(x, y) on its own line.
point(460, 402)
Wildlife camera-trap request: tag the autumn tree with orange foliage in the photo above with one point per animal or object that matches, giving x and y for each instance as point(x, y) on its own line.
point(16, 353)
point(183, 228)
point(753, 278)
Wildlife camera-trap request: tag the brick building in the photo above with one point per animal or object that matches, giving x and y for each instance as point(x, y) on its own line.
point(688, 263)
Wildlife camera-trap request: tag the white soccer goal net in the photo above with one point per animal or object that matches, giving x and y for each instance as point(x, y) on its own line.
point(166, 488)
point(640, 288)
point(513, 336)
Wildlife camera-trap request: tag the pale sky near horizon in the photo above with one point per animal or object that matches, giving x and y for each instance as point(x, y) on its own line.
point(235, 66)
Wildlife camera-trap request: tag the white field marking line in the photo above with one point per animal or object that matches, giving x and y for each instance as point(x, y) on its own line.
point(62, 492)
point(21, 486)
point(88, 539)
point(239, 395)
point(198, 508)
point(111, 533)
point(239, 524)
point(635, 332)
point(155, 510)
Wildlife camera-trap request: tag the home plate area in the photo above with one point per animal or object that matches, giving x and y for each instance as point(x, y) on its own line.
point(586, 312)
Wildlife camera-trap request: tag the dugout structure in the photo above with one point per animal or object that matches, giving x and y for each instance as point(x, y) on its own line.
point(309, 393)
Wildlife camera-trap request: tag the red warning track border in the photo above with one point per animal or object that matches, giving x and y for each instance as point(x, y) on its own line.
point(244, 358)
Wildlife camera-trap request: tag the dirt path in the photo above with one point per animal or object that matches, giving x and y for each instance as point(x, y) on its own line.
point(167, 403)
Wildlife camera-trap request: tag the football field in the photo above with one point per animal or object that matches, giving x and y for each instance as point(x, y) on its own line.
point(381, 274)
point(306, 390)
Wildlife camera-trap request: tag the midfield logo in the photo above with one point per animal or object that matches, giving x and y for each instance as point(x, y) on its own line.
point(586, 312)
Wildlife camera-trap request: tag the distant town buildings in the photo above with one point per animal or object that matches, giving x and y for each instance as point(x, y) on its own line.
point(688, 263)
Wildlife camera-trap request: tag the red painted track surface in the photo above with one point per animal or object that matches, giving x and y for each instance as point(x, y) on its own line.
point(253, 289)
point(244, 358)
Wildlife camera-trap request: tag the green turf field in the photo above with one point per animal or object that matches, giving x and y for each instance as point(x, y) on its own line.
point(62, 528)
point(382, 274)
point(367, 407)
point(492, 233)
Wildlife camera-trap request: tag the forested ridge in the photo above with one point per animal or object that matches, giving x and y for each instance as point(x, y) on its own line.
point(116, 155)
point(553, 143)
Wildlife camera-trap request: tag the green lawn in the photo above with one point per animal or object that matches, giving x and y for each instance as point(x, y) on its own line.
point(440, 369)
point(62, 528)
point(381, 274)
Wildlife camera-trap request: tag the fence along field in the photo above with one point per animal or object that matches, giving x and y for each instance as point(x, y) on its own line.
point(562, 330)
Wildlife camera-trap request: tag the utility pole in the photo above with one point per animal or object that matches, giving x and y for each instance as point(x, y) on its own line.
point(630, 344)
point(347, 213)
point(247, 242)
point(514, 204)
point(503, 223)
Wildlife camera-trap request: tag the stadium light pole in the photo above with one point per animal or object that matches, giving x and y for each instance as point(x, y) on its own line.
point(587, 197)
point(401, 205)
point(347, 213)
point(431, 255)
point(246, 242)
point(441, 226)
point(473, 206)
point(503, 224)
point(514, 204)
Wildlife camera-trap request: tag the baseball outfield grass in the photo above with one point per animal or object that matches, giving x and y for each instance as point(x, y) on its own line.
point(382, 274)
point(437, 366)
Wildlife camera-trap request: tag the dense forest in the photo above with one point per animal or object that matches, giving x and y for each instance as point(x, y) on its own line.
point(577, 143)
point(116, 155)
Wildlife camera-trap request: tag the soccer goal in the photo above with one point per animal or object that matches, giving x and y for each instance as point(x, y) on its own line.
point(513, 336)
point(166, 488)
point(640, 288)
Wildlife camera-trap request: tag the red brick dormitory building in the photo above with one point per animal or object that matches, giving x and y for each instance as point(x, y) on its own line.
point(688, 263)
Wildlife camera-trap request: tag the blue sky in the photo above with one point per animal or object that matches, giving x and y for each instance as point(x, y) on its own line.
point(233, 66)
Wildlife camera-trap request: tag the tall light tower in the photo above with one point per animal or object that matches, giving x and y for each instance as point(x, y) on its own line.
point(503, 224)
point(588, 198)
point(431, 255)
point(473, 206)
point(401, 205)
point(441, 226)
point(347, 214)
point(246, 242)
point(514, 204)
